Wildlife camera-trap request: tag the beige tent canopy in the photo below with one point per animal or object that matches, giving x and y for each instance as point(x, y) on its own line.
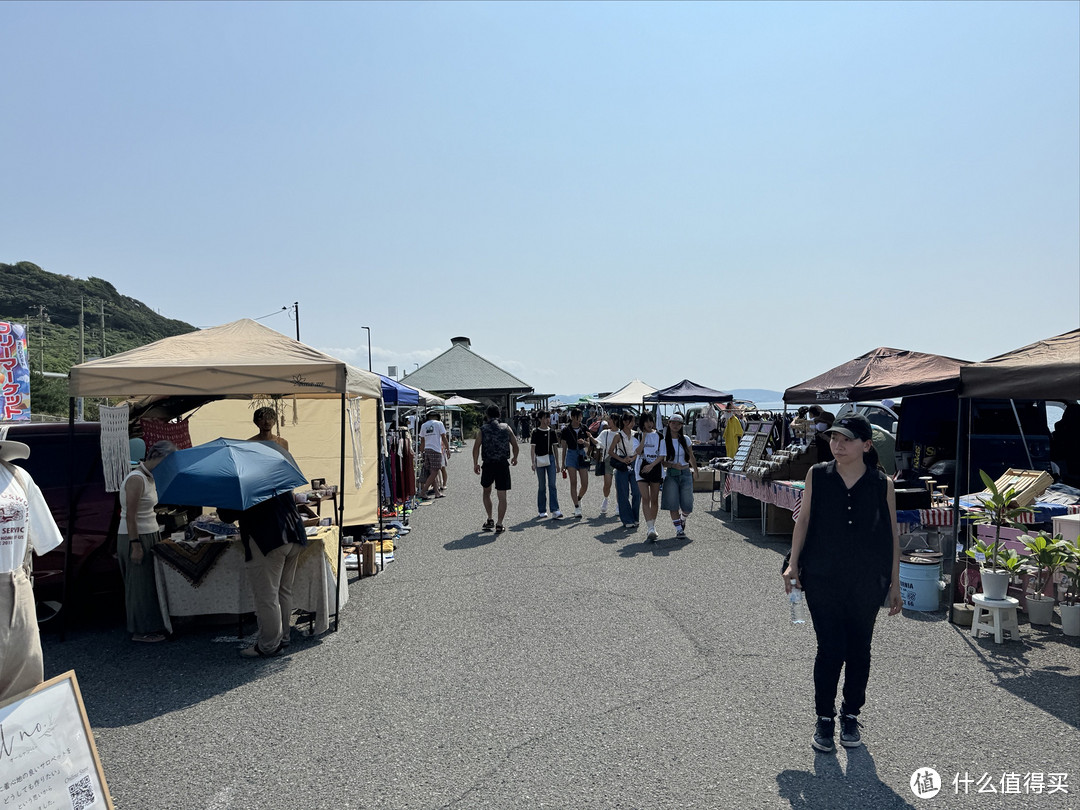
point(633, 393)
point(244, 360)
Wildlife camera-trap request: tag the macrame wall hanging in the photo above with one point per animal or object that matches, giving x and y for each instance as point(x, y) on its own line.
point(115, 449)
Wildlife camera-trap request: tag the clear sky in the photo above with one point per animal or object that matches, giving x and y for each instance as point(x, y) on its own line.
point(744, 194)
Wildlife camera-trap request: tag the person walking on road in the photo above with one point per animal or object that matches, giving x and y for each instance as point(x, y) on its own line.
point(576, 442)
point(495, 441)
point(622, 454)
point(679, 466)
point(545, 462)
point(436, 448)
point(845, 556)
point(650, 473)
point(603, 467)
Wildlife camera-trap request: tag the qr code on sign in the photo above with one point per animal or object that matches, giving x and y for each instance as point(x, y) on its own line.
point(82, 794)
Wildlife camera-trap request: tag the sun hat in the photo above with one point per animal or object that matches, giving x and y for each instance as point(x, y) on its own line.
point(854, 427)
point(9, 450)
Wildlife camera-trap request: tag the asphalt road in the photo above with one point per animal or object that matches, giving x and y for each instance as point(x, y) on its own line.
point(570, 665)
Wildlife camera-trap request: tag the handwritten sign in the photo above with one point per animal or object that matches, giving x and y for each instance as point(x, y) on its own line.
point(47, 754)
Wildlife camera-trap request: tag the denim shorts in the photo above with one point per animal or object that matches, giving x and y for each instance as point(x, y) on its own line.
point(575, 459)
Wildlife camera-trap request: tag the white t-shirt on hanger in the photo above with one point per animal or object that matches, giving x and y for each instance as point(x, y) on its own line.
point(24, 518)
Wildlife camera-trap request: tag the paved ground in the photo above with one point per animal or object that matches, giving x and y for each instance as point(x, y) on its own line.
point(570, 665)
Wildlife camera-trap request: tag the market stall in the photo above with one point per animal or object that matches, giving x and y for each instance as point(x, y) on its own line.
point(245, 360)
point(209, 577)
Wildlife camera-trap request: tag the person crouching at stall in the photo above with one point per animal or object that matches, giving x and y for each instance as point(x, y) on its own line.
point(138, 534)
point(845, 555)
point(273, 535)
point(28, 526)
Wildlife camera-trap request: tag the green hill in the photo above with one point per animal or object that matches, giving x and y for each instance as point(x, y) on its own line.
point(53, 341)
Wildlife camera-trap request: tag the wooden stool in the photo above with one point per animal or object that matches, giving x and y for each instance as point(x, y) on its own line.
point(1002, 617)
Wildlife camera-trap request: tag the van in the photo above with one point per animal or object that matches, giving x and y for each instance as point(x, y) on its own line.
point(95, 580)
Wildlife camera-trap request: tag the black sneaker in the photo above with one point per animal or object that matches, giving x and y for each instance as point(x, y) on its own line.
point(489, 524)
point(823, 735)
point(849, 731)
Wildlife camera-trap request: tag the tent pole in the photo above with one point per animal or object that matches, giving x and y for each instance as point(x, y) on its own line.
point(1023, 438)
point(948, 561)
point(340, 514)
point(69, 530)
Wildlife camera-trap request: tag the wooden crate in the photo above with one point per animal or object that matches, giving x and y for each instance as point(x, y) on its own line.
point(1030, 484)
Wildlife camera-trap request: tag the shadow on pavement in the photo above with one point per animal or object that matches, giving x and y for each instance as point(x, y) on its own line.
point(124, 683)
point(830, 787)
point(470, 541)
point(661, 548)
point(1042, 688)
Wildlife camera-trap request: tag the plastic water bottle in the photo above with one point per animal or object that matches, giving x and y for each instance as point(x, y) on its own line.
point(798, 605)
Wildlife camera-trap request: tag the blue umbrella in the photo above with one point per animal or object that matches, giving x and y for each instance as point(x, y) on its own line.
point(227, 473)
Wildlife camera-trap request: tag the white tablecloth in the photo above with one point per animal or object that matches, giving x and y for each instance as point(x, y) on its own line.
point(225, 588)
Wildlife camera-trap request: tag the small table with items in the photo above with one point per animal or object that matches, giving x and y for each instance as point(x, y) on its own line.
point(208, 576)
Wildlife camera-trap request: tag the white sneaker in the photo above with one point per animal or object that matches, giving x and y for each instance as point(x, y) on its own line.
point(680, 532)
point(541, 516)
point(603, 507)
point(557, 516)
point(577, 511)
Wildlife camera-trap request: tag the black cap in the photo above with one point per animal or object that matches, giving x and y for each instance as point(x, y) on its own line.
point(853, 426)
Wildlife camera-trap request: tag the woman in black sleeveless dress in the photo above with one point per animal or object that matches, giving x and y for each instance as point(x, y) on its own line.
point(845, 555)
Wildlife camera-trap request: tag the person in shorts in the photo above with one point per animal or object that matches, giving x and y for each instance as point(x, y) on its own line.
point(650, 473)
point(576, 442)
point(436, 448)
point(494, 442)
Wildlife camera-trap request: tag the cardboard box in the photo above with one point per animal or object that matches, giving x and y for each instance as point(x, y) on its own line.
point(704, 480)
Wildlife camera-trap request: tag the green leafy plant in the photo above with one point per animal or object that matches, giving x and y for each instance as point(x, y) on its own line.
point(998, 509)
point(1070, 551)
point(1045, 557)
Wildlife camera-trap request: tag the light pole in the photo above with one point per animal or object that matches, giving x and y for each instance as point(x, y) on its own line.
point(368, 328)
point(42, 316)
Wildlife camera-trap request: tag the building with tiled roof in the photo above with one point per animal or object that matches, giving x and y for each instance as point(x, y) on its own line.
point(459, 370)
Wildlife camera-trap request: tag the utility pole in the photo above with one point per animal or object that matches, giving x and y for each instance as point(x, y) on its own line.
point(102, 328)
point(82, 332)
point(42, 316)
point(296, 310)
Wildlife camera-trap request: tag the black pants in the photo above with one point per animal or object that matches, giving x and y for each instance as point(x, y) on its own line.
point(844, 613)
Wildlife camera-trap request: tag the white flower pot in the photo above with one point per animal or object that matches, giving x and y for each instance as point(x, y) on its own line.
point(994, 584)
point(1040, 609)
point(1070, 619)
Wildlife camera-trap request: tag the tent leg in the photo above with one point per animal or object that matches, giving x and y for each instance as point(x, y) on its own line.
point(340, 501)
point(69, 530)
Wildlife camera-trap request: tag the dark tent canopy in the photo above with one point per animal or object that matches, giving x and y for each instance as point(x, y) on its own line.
point(687, 391)
point(1047, 369)
point(880, 373)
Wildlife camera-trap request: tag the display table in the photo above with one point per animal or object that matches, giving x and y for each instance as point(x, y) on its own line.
point(225, 589)
point(788, 495)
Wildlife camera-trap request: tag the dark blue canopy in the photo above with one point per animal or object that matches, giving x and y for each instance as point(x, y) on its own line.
point(394, 393)
point(687, 391)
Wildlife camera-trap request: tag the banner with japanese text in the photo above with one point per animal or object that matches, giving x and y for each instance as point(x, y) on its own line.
point(14, 373)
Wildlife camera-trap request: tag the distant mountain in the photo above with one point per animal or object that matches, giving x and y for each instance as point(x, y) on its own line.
point(25, 288)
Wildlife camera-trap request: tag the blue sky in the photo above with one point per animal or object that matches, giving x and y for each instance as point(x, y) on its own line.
point(742, 194)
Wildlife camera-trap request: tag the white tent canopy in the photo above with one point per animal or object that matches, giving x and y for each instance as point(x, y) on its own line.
point(633, 393)
point(428, 399)
point(242, 358)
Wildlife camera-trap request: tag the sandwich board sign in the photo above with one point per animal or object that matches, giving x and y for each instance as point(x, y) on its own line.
point(47, 754)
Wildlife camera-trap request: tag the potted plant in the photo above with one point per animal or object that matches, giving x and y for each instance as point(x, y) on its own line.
point(1043, 559)
point(999, 509)
point(1070, 606)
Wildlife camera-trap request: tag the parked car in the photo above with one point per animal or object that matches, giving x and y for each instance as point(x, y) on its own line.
point(876, 413)
point(95, 573)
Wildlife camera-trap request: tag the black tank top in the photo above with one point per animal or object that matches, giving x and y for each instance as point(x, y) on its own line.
point(850, 533)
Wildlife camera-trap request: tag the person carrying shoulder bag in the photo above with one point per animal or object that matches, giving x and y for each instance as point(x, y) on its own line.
point(545, 462)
